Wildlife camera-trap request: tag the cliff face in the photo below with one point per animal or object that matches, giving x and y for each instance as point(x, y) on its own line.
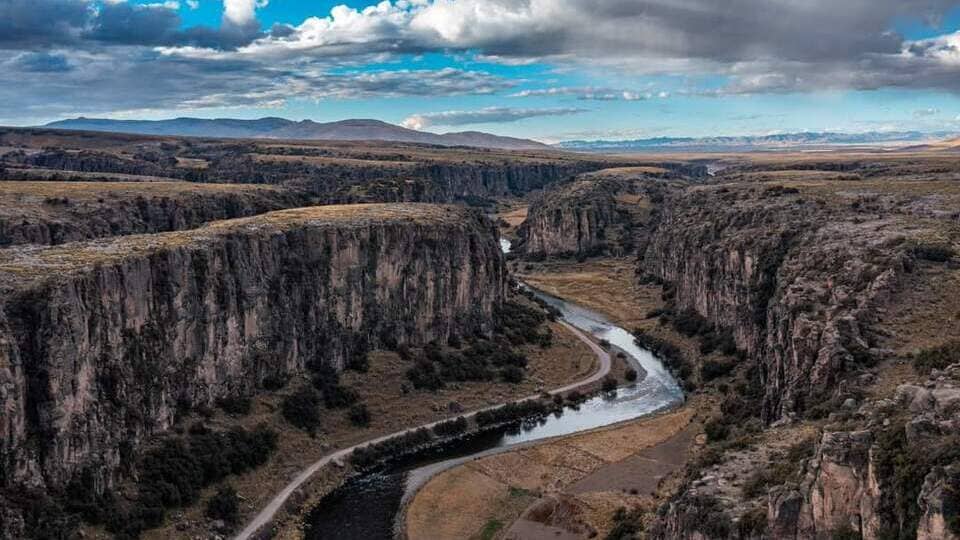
point(58, 212)
point(896, 477)
point(591, 216)
point(797, 282)
point(102, 342)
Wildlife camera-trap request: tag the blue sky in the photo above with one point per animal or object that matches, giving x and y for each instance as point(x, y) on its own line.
point(546, 69)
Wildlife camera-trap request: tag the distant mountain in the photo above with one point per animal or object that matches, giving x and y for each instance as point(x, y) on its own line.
point(280, 128)
point(754, 143)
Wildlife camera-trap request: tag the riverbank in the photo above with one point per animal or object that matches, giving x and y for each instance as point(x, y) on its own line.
point(571, 487)
point(285, 520)
point(485, 498)
point(392, 409)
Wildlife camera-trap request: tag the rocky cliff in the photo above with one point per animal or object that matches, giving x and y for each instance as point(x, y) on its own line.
point(896, 477)
point(58, 212)
point(101, 343)
point(834, 293)
point(796, 280)
point(596, 214)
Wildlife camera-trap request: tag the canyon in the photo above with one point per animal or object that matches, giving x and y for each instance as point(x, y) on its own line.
point(806, 304)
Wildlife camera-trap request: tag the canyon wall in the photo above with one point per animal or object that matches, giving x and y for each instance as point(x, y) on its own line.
point(102, 342)
point(798, 282)
point(58, 212)
point(596, 214)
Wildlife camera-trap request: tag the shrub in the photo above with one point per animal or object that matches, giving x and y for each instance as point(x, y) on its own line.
point(512, 412)
point(359, 415)
point(512, 374)
point(753, 523)
point(690, 323)
point(235, 405)
point(450, 427)
point(716, 430)
point(275, 381)
point(224, 505)
point(609, 384)
point(372, 454)
point(630, 375)
point(338, 397)
point(933, 252)
point(423, 375)
point(711, 369)
point(359, 361)
point(940, 357)
point(302, 409)
point(173, 473)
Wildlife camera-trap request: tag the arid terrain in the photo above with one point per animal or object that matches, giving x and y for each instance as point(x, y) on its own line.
point(187, 324)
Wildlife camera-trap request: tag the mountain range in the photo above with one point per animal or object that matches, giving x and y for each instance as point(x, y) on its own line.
point(281, 128)
point(756, 143)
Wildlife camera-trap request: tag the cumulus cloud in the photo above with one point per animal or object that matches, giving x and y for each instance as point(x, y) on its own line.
point(482, 116)
point(757, 46)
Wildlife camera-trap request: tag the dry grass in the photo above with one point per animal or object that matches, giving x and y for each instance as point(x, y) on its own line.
point(35, 263)
point(91, 191)
point(449, 508)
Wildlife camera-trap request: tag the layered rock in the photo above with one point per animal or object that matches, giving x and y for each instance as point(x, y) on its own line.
point(58, 212)
point(102, 342)
point(796, 281)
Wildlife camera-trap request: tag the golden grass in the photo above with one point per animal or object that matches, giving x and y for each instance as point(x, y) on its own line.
point(38, 263)
point(94, 190)
point(447, 508)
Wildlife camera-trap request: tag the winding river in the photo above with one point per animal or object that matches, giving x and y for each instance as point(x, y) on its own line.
point(367, 506)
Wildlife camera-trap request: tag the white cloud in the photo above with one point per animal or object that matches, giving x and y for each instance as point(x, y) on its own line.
point(591, 93)
point(241, 12)
point(481, 116)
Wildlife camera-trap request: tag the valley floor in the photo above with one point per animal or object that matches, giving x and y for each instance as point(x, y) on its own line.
point(392, 409)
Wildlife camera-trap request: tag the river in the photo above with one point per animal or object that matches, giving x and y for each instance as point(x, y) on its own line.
point(367, 506)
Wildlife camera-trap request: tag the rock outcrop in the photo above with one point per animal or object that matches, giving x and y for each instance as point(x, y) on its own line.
point(898, 476)
point(594, 215)
point(58, 212)
point(102, 342)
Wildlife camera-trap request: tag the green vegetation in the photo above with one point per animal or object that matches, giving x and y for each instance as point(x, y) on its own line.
point(451, 428)
point(716, 429)
point(172, 476)
point(940, 357)
point(359, 415)
point(512, 413)
point(302, 409)
point(490, 529)
point(609, 384)
point(626, 524)
point(365, 457)
point(901, 467)
point(940, 253)
point(753, 523)
point(224, 505)
point(237, 405)
point(482, 359)
point(630, 375)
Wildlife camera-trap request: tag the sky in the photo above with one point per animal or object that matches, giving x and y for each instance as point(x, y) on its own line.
point(545, 69)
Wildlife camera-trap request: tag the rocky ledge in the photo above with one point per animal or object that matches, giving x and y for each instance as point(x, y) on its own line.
point(59, 212)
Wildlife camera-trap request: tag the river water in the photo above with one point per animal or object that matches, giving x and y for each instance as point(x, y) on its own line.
point(366, 506)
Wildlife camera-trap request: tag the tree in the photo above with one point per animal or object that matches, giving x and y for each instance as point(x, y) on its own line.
point(224, 505)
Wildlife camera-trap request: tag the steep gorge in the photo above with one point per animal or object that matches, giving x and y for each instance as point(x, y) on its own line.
point(104, 341)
